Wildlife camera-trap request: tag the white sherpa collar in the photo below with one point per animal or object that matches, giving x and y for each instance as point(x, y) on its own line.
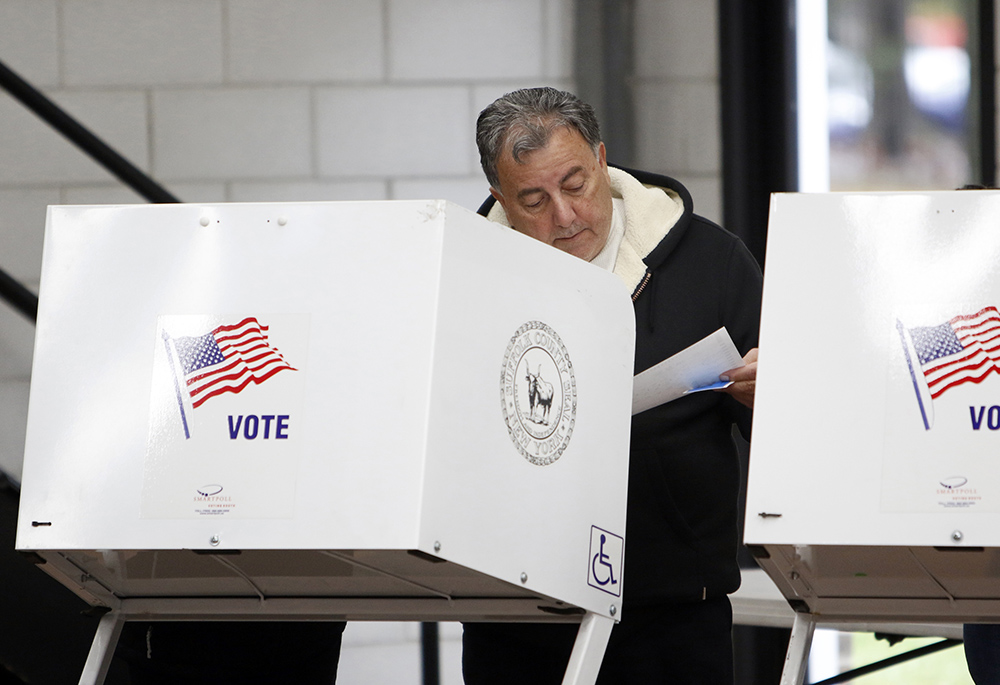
point(650, 213)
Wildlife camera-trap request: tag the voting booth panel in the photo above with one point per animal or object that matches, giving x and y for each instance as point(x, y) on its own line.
point(326, 401)
point(873, 486)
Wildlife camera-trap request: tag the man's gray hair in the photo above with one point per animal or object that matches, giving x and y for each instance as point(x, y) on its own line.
point(523, 121)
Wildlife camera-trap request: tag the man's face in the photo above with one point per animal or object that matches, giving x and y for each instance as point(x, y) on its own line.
point(560, 194)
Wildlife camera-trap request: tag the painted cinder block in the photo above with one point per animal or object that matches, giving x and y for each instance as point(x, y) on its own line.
point(29, 40)
point(676, 38)
point(305, 40)
point(102, 194)
point(231, 133)
point(199, 191)
point(394, 131)
point(17, 341)
point(707, 194)
point(307, 191)
point(465, 192)
point(139, 42)
point(22, 225)
point(13, 420)
point(456, 39)
point(119, 193)
point(678, 127)
point(32, 152)
point(558, 39)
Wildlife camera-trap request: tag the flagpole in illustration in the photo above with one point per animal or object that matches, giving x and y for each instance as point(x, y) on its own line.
point(177, 384)
point(963, 349)
point(227, 359)
point(907, 348)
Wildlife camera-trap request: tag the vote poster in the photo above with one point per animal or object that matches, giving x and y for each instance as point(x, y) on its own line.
point(225, 415)
point(943, 408)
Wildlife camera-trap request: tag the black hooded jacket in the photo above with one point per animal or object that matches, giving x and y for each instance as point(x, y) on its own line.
point(684, 470)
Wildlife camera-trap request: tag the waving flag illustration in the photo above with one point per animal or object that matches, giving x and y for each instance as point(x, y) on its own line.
point(225, 360)
point(964, 349)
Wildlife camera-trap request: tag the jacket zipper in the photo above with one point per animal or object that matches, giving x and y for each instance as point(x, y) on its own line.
point(641, 286)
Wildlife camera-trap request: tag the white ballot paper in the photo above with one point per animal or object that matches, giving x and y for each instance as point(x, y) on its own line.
point(694, 369)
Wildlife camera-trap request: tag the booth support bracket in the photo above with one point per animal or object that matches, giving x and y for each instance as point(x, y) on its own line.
point(102, 650)
point(797, 657)
point(588, 650)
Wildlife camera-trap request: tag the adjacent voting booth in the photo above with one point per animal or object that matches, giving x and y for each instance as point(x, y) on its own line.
point(327, 411)
point(874, 484)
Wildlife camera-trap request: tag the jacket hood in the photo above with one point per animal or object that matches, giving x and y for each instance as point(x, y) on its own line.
point(655, 206)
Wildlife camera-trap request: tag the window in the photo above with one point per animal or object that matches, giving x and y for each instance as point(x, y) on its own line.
point(890, 95)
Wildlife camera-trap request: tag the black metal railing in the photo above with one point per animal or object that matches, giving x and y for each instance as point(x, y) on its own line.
point(12, 291)
point(26, 302)
point(80, 136)
point(18, 296)
point(848, 676)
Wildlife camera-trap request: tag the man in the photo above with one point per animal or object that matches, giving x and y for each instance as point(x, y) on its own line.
point(542, 154)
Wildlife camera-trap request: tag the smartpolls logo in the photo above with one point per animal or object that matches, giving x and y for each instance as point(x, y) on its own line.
point(963, 349)
point(211, 501)
point(956, 493)
point(226, 359)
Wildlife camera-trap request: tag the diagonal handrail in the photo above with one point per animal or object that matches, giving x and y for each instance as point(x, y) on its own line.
point(18, 296)
point(26, 301)
point(848, 676)
point(12, 291)
point(77, 134)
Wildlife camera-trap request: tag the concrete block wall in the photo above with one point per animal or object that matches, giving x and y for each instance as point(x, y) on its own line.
point(677, 101)
point(253, 100)
point(259, 100)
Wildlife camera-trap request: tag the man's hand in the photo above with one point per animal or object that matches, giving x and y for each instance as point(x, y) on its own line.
point(744, 379)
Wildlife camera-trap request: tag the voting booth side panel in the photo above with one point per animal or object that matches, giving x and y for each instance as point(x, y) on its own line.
point(873, 457)
point(137, 440)
point(528, 444)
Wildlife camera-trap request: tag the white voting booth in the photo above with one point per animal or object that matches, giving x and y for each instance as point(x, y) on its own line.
point(327, 411)
point(874, 484)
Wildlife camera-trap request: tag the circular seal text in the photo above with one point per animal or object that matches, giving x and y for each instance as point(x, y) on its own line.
point(538, 393)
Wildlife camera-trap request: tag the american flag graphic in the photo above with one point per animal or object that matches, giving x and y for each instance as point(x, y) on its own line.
point(227, 359)
point(964, 349)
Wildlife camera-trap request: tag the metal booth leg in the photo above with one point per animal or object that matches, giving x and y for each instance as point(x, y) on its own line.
point(102, 649)
point(588, 650)
point(797, 657)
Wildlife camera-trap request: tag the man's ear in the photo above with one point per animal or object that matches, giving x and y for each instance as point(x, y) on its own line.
point(498, 197)
point(602, 155)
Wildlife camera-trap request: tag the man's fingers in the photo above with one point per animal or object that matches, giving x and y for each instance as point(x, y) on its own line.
point(740, 374)
point(747, 372)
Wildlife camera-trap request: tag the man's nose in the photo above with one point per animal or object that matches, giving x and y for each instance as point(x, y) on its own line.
point(563, 213)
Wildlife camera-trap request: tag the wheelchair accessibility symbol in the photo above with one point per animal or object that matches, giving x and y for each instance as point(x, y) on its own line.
point(606, 552)
point(607, 570)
